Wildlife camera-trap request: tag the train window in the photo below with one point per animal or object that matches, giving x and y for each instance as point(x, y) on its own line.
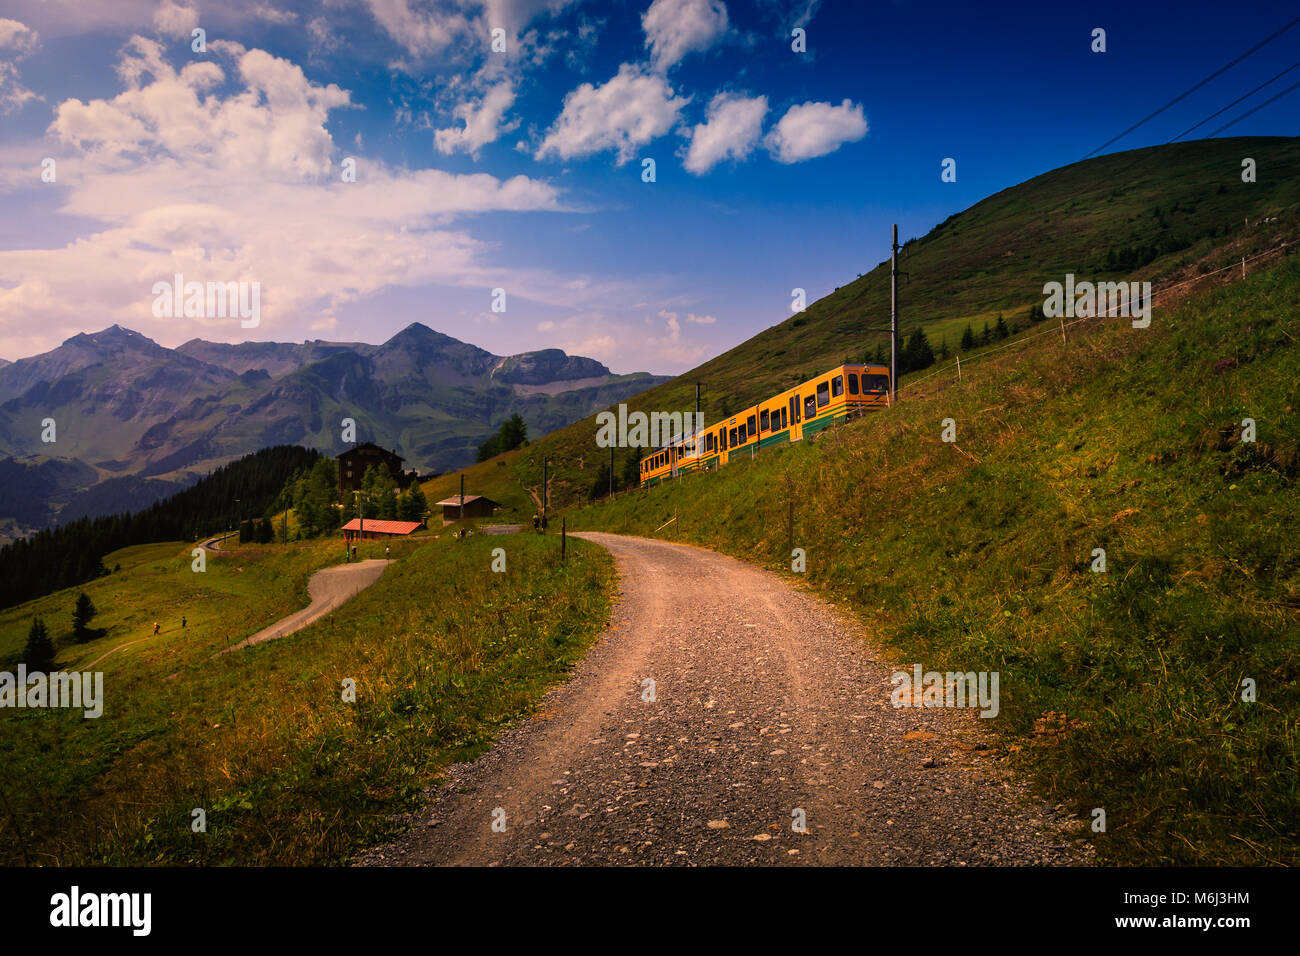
point(710, 442)
point(751, 429)
point(740, 431)
point(764, 422)
point(853, 383)
point(875, 383)
point(794, 409)
point(837, 385)
point(784, 421)
point(810, 407)
point(823, 393)
point(734, 443)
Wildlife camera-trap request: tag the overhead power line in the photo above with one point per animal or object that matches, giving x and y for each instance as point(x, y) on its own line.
point(1272, 79)
point(1188, 92)
point(1255, 110)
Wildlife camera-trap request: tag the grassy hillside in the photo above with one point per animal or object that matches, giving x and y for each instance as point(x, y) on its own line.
point(444, 653)
point(494, 479)
point(1119, 690)
point(1184, 204)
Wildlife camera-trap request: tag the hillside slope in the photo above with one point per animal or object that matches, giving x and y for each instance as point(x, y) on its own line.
point(1121, 690)
point(1162, 213)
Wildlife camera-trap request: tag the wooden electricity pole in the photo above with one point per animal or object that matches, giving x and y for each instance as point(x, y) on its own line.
point(893, 318)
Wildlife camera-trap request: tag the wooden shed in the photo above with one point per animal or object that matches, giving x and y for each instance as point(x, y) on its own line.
point(476, 506)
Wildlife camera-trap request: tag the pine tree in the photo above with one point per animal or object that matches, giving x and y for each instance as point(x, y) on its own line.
point(1001, 330)
point(917, 354)
point(82, 612)
point(600, 484)
point(632, 469)
point(385, 500)
point(986, 336)
point(513, 433)
point(38, 655)
point(967, 339)
point(419, 505)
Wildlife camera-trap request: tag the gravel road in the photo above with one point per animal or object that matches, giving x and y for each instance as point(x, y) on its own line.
point(328, 588)
point(767, 700)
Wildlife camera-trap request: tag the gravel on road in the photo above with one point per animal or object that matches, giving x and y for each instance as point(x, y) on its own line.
point(768, 709)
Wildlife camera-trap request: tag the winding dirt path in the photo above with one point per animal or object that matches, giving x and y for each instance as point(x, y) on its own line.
point(767, 701)
point(328, 588)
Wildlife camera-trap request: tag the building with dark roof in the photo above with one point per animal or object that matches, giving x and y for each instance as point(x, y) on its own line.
point(354, 462)
point(476, 506)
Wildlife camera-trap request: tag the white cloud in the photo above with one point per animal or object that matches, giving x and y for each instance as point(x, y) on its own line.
point(175, 19)
point(275, 127)
point(628, 111)
point(674, 28)
point(700, 319)
point(424, 28)
point(732, 128)
point(16, 41)
point(419, 30)
point(323, 39)
point(815, 129)
point(483, 122)
point(264, 11)
point(239, 186)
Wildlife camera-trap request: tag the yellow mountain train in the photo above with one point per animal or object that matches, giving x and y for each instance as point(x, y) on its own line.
point(785, 417)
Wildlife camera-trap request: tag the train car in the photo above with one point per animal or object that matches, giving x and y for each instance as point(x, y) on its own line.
point(788, 416)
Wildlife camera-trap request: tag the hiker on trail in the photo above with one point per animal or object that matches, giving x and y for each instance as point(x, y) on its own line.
point(537, 522)
point(543, 524)
point(385, 552)
point(155, 627)
point(182, 620)
point(354, 552)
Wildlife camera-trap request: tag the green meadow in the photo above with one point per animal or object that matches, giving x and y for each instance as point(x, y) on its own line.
point(442, 652)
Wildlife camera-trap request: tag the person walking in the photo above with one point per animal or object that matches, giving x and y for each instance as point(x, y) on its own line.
point(537, 522)
point(385, 552)
point(182, 620)
point(155, 627)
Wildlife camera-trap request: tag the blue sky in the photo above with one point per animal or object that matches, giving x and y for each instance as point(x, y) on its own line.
point(523, 171)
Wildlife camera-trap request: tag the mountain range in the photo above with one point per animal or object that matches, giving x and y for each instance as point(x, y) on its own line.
point(135, 421)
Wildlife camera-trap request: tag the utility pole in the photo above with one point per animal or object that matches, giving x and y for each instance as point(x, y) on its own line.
point(611, 470)
point(462, 497)
point(545, 462)
point(893, 318)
